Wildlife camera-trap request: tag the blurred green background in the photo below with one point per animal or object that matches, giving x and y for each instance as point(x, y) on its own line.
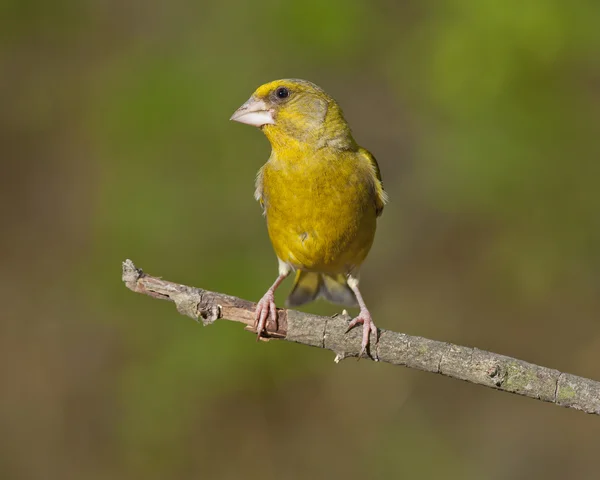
point(485, 118)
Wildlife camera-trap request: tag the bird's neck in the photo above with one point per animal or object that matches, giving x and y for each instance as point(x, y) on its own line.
point(291, 142)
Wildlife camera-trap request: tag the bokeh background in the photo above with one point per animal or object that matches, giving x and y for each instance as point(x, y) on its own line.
point(485, 119)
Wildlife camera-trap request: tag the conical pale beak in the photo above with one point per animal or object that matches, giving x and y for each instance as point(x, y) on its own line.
point(254, 112)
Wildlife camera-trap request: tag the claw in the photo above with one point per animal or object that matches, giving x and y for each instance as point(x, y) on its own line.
point(369, 327)
point(264, 308)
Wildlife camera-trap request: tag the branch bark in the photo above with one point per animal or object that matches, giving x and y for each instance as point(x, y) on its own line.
point(464, 363)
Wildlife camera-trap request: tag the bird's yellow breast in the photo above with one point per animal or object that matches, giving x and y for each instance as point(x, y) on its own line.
point(320, 208)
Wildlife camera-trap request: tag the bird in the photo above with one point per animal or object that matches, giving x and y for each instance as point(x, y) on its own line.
point(321, 194)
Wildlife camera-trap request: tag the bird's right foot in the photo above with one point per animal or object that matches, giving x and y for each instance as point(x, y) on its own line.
point(264, 308)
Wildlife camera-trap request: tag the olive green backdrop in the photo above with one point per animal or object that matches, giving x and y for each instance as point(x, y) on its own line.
point(485, 119)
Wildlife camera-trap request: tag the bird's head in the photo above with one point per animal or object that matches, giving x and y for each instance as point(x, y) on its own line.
point(294, 111)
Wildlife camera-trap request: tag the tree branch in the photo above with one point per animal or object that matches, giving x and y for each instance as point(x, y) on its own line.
point(465, 363)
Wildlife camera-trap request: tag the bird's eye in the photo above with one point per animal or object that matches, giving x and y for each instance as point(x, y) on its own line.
point(282, 93)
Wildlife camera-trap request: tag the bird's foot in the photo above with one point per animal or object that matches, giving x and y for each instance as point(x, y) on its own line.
point(265, 306)
point(369, 327)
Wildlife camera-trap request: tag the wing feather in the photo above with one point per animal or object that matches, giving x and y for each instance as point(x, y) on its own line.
point(258, 192)
point(381, 197)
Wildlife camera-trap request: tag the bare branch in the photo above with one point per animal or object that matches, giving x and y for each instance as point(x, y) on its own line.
point(465, 363)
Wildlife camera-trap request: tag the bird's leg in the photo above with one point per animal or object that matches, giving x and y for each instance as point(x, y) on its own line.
point(266, 305)
point(364, 317)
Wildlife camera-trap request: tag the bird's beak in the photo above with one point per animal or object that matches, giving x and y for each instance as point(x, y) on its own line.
point(254, 112)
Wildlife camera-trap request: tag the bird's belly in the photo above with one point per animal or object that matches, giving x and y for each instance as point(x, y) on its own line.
point(321, 213)
point(331, 239)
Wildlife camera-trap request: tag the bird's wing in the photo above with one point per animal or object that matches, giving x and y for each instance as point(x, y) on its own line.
point(381, 197)
point(258, 193)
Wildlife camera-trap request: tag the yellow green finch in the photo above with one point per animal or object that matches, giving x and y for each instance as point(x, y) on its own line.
point(321, 194)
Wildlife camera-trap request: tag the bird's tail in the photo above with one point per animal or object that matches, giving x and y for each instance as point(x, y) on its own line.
point(309, 286)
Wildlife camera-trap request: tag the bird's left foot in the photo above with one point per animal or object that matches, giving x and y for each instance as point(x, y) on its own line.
point(369, 327)
point(265, 306)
